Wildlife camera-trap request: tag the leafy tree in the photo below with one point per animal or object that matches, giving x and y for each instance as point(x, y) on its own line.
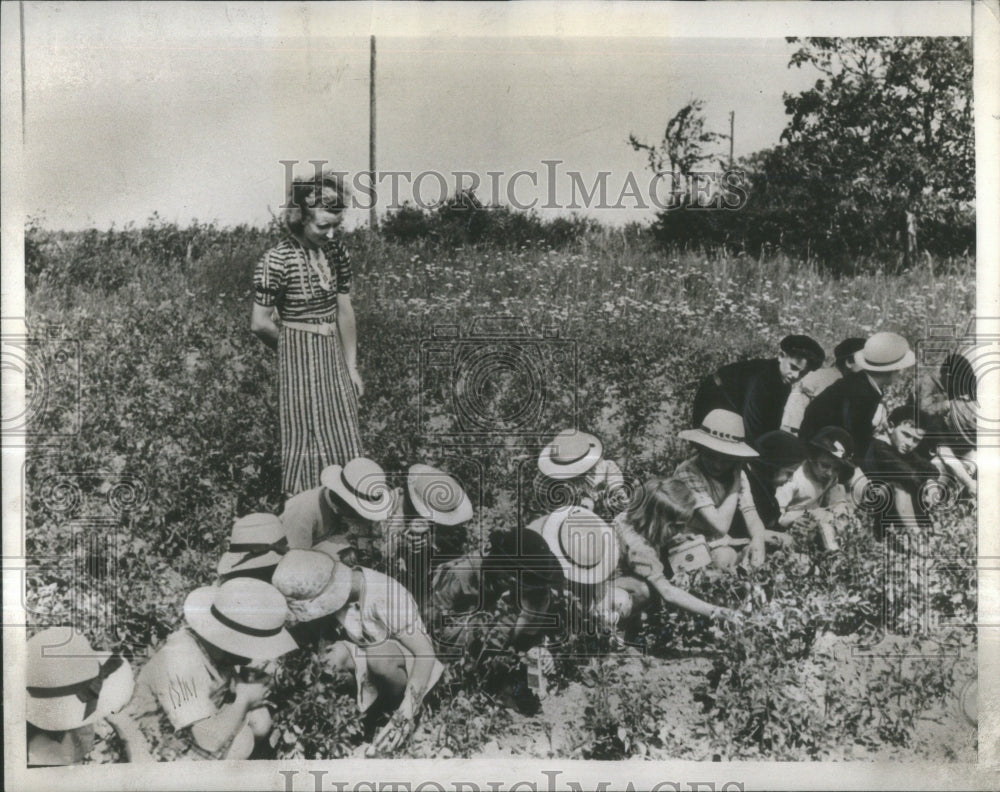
point(684, 144)
point(887, 132)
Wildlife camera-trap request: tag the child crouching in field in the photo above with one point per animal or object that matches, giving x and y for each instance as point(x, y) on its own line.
point(201, 695)
point(894, 465)
point(814, 488)
point(956, 441)
point(429, 524)
point(653, 526)
point(781, 453)
point(575, 461)
point(386, 646)
point(347, 510)
point(493, 610)
point(724, 509)
point(71, 689)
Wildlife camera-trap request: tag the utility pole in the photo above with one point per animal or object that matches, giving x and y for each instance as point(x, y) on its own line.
point(371, 134)
point(732, 124)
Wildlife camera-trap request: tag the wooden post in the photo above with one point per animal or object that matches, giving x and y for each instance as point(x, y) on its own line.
point(371, 134)
point(732, 124)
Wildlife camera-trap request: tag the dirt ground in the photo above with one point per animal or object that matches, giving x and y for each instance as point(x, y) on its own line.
point(941, 734)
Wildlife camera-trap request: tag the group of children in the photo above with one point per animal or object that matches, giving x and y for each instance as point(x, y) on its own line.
point(304, 580)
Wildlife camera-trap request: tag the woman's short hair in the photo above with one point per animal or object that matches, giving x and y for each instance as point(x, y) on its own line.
point(660, 510)
point(326, 191)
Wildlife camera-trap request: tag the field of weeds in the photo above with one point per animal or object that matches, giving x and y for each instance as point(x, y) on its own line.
point(154, 424)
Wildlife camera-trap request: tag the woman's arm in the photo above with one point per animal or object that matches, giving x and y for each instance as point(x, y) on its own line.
point(263, 326)
point(348, 330)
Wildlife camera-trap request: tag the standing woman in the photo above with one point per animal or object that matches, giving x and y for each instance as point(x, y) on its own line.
point(305, 282)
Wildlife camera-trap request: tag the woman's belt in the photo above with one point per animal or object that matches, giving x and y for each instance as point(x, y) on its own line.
point(317, 327)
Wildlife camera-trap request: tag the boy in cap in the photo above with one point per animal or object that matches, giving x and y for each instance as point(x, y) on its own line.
point(576, 460)
point(201, 695)
point(855, 402)
point(724, 510)
point(756, 390)
point(347, 509)
point(815, 382)
point(71, 689)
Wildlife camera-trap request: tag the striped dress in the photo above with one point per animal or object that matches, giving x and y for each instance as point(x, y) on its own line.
point(317, 405)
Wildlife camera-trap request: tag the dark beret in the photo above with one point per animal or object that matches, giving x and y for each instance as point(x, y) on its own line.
point(805, 347)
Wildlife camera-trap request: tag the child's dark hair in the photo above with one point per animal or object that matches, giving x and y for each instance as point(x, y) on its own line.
point(909, 413)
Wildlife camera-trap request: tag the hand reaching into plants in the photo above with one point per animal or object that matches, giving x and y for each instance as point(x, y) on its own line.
point(391, 736)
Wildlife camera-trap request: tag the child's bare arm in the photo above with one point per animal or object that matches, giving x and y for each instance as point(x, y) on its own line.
point(213, 734)
point(136, 747)
point(904, 507)
point(956, 468)
point(715, 521)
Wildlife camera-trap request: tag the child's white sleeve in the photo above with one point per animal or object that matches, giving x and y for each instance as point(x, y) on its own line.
point(785, 495)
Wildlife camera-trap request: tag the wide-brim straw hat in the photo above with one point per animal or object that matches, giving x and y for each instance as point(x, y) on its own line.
point(258, 540)
point(585, 546)
point(885, 352)
point(721, 431)
point(437, 496)
point(570, 454)
point(362, 486)
point(69, 684)
point(314, 583)
point(243, 616)
point(837, 442)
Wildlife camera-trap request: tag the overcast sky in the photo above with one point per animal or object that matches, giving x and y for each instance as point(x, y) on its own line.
point(130, 110)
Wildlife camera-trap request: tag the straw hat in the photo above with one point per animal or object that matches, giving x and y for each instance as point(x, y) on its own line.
point(243, 616)
point(314, 583)
point(437, 496)
point(584, 544)
point(570, 454)
point(361, 485)
point(258, 540)
point(837, 442)
point(69, 684)
point(721, 431)
point(885, 352)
